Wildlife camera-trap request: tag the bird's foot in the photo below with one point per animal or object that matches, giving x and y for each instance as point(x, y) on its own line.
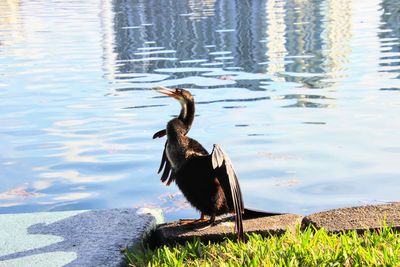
point(211, 222)
point(191, 221)
point(206, 227)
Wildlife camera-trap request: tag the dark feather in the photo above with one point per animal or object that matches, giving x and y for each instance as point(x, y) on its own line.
point(163, 159)
point(171, 177)
point(160, 134)
point(227, 177)
point(196, 179)
point(197, 147)
point(168, 173)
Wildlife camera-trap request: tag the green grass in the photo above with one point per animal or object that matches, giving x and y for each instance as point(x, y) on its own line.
point(309, 247)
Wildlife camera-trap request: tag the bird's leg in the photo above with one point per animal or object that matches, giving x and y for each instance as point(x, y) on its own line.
point(211, 222)
point(212, 219)
point(192, 221)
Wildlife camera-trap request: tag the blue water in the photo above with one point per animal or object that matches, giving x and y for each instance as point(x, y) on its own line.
point(303, 96)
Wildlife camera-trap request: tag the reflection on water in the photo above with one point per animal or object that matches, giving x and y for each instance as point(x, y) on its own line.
point(303, 95)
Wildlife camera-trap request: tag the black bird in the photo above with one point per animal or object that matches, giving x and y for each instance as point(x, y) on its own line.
point(208, 181)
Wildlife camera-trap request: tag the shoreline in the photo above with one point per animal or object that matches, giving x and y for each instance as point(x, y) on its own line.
point(96, 237)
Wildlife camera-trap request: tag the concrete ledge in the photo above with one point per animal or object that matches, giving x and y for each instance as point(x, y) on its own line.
point(356, 218)
point(72, 238)
point(254, 222)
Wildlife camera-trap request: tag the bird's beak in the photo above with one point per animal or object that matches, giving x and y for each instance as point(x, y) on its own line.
point(166, 91)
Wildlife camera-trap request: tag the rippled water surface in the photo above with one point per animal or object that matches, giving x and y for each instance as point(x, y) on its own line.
point(303, 95)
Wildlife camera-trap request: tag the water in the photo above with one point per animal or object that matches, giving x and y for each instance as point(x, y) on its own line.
point(303, 95)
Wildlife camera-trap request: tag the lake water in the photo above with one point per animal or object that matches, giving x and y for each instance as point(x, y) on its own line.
point(304, 96)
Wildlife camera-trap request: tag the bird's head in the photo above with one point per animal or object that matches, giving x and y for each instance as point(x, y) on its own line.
point(186, 100)
point(183, 96)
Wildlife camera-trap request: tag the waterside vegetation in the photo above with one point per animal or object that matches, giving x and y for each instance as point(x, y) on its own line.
point(308, 247)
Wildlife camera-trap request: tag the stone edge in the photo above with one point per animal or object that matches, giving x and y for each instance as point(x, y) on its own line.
point(159, 237)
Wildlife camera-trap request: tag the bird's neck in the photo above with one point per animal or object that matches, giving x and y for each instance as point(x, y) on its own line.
point(177, 143)
point(187, 114)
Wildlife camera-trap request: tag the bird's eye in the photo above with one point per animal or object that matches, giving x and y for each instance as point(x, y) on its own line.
point(179, 91)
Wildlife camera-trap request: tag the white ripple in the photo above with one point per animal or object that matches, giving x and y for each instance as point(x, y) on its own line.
point(220, 53)
point(147, 59)
point(186, 69)
point(141, 77)
point(193, 61)
point(225, 30)
point(194, 80)
point(212, 64)
point(151, 48)
point(146, 53)
point(223, 58)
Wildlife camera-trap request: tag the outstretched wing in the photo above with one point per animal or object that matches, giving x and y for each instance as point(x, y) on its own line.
point(227, 177)
point(168, 173)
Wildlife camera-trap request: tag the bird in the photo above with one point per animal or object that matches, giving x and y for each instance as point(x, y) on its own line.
point(207, 180)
